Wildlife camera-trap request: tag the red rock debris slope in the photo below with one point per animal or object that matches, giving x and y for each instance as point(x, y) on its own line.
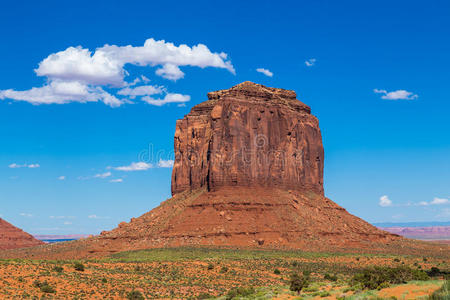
point(12, 237)
point(248, 172)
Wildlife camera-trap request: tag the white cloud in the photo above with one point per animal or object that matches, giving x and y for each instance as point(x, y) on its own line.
point(16, 166)
point(142, 90)
point(264, 71)
point(103, 175)
point(385, 201)
point(80, 75)
point(135, 166)
point(423, 203)
point(396, 95)
point(97, 217)
point(61, 177)
point(165, 163)
point(61, 92)
point(62, 217)
point(116, 180)
point(26, 215)
point(310, 62)
point(439, 201)
point(169, 98)
point(67, 223)
point(170, 71)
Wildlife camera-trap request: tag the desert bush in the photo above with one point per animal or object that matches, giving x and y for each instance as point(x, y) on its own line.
point(210, 266)
point(44, 287)
point(203, 296)
point(240, 292)
point(373, 278)
point(297, 282)
point(135, 295)
point(223, 269)
point(443, 293)
point(276, 271)
point(58, 269)
point(324, 294)
point(330, 277)
point(78, 267)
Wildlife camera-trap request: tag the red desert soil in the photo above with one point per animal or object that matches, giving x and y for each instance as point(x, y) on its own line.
point(12, 237)
point(248, 172)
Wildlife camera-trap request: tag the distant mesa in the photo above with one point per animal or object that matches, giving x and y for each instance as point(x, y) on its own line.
point(248, 172)
point(12, 237)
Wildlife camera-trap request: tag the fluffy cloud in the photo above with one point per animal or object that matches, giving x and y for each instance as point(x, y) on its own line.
point(116, 180)
point(80, 75)
point(62, 178)
point(103, 175)
point(143, 90)
point(435, 201)
point(396, 95)
point(264, 71)
point(439, 201)
point(61, 92)
point(168, 98)
point(27, 215)
point(97, 217)
point(135, 166)
point(165, 163)
point(16, 166)
point(310, 62)
point(385, 201)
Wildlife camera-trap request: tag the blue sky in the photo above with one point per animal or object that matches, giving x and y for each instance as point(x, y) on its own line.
point(387, 152)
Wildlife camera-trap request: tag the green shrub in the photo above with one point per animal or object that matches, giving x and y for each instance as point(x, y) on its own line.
point(372, 278)
point(203, 296)
point(44, 287)
point(223, 269)
point(210, 266)
point(324, 294)
point(78, 267)
point(297, 283)
point(330, 277)
point(276, 271)
point(58, 269)
point(443, 293)
point(135, 295)
point(240, 292)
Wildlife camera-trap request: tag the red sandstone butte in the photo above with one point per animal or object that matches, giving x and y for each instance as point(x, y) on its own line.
point(248, 173)
point(13, 238)
point(249, 136)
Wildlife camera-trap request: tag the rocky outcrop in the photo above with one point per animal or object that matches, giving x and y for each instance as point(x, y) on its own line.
point(12, 237)
point(248, 172)
point(250, 136)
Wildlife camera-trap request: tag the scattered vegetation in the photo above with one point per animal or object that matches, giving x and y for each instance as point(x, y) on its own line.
point(240, 292)
point(44, 287)
point(297, 282)
point(212, 273)
point(380, 277)
point(135, 295)
point(78, 266)
point(443, 293)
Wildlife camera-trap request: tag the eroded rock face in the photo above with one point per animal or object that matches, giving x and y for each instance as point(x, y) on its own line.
point(12, 237)
point(248, 173)
point(250, 136)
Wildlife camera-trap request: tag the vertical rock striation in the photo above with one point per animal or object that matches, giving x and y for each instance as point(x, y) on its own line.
point(249, 136)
